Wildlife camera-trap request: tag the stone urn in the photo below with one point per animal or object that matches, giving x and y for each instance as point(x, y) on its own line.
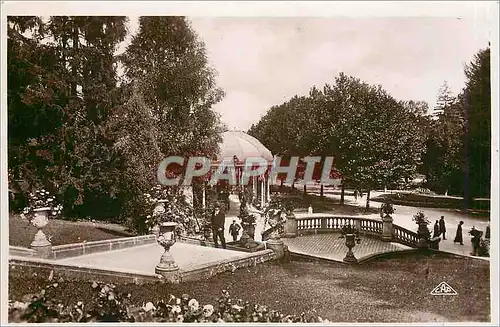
point(167, 266)
point(40, 220)
point(350, 243)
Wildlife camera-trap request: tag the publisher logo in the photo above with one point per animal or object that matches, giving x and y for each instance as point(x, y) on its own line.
point(443, 289)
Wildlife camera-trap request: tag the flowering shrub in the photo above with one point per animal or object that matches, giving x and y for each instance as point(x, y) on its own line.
point(165, 206)
point(387, 208)
point(420, 219)
point(42, 199)
point(112, 306)
point(278, 208)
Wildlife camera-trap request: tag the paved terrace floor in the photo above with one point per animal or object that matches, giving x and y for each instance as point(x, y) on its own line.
point(143, 259)
point(329, 246)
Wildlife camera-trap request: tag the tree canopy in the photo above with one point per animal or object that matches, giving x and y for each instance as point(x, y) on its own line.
point(80, 129)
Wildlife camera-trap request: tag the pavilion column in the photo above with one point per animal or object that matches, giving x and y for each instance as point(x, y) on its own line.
point(204, 196)
point(262, 192)
point(254, 186)
point(268, 190)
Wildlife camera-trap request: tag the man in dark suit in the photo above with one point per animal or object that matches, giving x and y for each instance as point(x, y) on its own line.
point(442, 227)
point(218, 220)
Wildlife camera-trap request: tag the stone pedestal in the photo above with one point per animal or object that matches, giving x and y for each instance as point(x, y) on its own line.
point(434, 243)
point(291, 227)
point(168, 268)
point(44, 252)
point(423, 236)
point(422, 243)
point(387, 228)
point(40, 243)
point(277, 246)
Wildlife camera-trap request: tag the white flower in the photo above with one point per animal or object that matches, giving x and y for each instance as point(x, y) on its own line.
point(193, 304)
point(20, 305)
point(237, 307)
point(176, 309)
point(148, 307)
point(208, 310)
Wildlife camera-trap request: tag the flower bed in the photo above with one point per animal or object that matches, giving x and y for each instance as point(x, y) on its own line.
point(113, 306)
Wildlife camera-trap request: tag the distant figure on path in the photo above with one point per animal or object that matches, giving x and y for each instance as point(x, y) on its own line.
point(459, 237)
point(218, 219)
point(436, 229)
point(442, 227)
point(476, 240)
point(226, 200)
point(234, 230)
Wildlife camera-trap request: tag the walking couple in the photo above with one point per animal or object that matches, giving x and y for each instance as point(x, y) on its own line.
point(440, 228)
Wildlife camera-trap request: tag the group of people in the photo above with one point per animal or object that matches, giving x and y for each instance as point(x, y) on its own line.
point(218, 221)
point(440, 229)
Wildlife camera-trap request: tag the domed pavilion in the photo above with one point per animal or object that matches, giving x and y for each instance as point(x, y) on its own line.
point(239, 146)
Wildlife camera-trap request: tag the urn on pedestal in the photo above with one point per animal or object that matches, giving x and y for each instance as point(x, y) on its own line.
point(40, 220)
point(167, 266)
point(350, 243)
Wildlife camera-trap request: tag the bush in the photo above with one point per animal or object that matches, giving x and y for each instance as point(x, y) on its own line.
point(112, 306)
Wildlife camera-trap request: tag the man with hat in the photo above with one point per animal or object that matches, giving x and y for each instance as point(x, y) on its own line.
point(218, 220)
point(234, 230)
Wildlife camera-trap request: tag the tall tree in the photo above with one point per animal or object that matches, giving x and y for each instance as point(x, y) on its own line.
point(478, 140)
point(69, 92)
point(169, 64)
point(445, 98)
point(373, 137)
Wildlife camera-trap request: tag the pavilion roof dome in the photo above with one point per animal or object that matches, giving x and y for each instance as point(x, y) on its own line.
point(242, 145)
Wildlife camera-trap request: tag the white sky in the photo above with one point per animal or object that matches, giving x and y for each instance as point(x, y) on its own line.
point(265, 61)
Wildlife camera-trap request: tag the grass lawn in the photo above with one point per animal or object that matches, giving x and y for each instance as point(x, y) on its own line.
point(21, 232)
point(391, 289)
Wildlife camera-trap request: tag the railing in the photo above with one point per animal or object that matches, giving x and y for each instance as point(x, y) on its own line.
point(370, 226)
point(404, 236)
point(335, 223)
point(315, 224)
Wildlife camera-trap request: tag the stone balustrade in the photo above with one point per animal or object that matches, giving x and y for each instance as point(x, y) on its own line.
point(330, 223)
